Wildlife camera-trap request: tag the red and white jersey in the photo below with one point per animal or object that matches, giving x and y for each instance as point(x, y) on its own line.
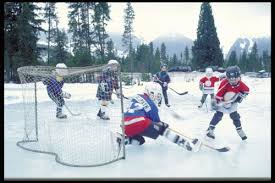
point(208, 84)
point(226, 87)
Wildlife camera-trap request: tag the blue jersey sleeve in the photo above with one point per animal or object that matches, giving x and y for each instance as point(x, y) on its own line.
point(53, 86)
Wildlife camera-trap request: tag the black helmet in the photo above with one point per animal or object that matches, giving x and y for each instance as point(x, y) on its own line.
point(163, 65)
point(233, 72)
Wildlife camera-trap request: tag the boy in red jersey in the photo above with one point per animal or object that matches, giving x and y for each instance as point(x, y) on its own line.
point(207, 84)
point(231, 92)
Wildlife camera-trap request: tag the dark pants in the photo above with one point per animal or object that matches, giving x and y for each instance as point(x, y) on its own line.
point(152, 131)
point(164, 92)
point(59, 100)
point(203, 98)
point(235, 116)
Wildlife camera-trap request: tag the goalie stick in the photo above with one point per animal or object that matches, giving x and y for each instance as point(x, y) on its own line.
point(73, 114)
point(223, 149)
point(183, 93)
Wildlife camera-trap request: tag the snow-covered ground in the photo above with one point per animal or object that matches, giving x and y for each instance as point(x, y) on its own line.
point(160, 158)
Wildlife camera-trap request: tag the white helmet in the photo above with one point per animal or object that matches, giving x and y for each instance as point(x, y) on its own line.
point(113, 62)
point(154, 91)
point(61, 69)
point(209, 72)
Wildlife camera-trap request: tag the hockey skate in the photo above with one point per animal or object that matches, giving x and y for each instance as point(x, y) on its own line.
point(102, 115)
point(60, 115)
point(210, 133)
point(168, 105)
point(200, 105)
point(242, 134)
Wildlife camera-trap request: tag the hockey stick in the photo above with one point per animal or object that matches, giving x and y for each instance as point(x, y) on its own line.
point(183, 93)
point(223, 149)
point(73, 114)
point(121, 95)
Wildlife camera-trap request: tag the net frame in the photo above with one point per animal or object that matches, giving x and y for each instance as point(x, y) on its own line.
point(37, 73)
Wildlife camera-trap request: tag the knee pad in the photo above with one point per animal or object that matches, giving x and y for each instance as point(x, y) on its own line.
point(161, 127)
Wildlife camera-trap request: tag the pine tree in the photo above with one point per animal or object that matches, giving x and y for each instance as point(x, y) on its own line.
point(232, 60)
point(163, 54)
point(206, 50)
point(110, 50)
point(243, 61)
point(128, 34)
point(100, 18)
point(21, 33)
point(186, 56)
point(59, 52)
point(254, 61)
point(50, 16)
point(266, 61)
point(156, 64)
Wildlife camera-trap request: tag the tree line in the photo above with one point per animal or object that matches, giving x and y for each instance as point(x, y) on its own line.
point(90, 44)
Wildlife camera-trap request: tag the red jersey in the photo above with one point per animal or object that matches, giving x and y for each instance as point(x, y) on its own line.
point(225, 87)
point(208, 84)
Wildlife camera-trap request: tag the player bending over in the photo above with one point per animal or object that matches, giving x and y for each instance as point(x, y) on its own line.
point(108, 81)
point(142, 120)
point(54, 88)
point(230, 92)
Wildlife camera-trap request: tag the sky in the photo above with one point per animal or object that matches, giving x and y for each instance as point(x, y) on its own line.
point(232, 20)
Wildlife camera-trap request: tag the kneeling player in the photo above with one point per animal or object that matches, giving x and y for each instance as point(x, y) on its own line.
point(142, 120)
point(231, 92)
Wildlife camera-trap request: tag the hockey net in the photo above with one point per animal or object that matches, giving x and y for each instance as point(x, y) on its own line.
point(81, 139)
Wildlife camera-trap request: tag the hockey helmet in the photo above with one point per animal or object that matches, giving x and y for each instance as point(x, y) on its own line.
point(113, 62)
point(163, 66)
point(61, 69)
point(154, 91)
point(209, 72)
point(233, 74)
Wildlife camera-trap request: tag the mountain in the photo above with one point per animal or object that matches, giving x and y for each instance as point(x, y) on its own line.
point(116, 38)
point(241, 44)
point(174, 42)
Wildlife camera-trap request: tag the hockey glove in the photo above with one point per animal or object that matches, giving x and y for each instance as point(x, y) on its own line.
point(214, 104)
point(165, 84)
point(241, 97)
point(201, 87)
point(66, 95)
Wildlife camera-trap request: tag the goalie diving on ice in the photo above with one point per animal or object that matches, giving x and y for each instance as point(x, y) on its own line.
point(142, 120)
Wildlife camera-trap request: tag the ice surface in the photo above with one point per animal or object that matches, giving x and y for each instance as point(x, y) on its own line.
point(157, 158)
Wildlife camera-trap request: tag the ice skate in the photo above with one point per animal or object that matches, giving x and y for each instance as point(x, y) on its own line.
point(242, 134)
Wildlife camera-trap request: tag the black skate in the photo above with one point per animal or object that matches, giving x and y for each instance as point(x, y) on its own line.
point(210, 133)
point(242, 134)
point(168, 105)
point(61, 116)
point(103, 116)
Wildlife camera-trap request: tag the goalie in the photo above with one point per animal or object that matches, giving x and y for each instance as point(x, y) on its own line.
point(54, 88)
point(142, 120)
point(107, 82)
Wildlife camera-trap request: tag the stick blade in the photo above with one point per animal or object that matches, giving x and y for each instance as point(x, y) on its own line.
point(223, 149)
point(183, 93)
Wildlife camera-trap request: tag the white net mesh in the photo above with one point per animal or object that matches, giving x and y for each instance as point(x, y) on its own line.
point(64, 115)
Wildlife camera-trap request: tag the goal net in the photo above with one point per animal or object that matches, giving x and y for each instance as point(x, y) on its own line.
point(62, 109)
